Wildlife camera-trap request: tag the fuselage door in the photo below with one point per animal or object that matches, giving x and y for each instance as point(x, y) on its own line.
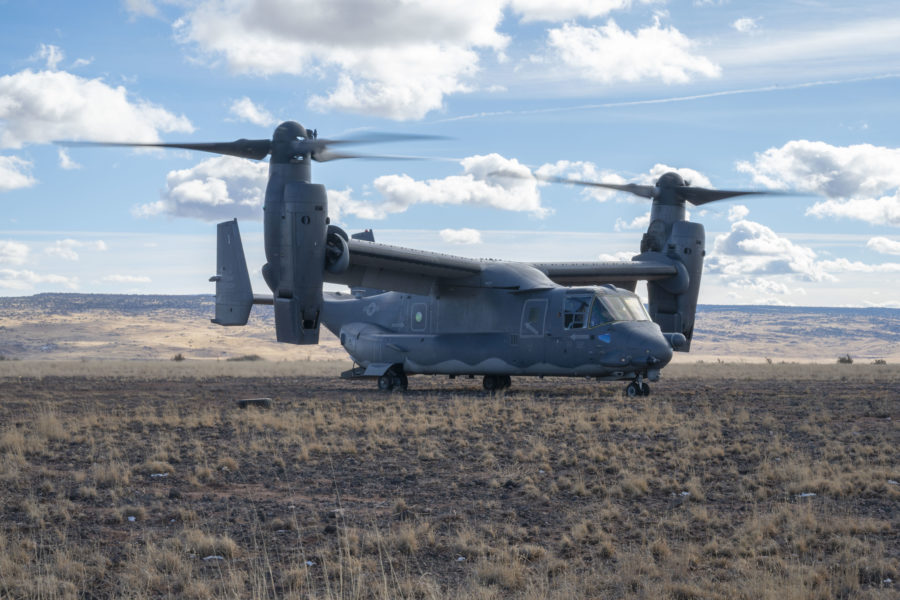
point(534, 314)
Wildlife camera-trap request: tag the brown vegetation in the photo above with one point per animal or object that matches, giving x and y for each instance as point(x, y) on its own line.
point(730, 481)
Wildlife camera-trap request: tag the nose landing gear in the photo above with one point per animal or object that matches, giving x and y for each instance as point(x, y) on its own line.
point(638, 387)
point(393, 379)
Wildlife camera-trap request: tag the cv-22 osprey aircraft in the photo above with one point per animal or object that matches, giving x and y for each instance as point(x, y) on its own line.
point(417, 312)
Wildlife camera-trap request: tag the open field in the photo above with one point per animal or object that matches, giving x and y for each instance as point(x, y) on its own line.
point(104, 327)
point(143, 480)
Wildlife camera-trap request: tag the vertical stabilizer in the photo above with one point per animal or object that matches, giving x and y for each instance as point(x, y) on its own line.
point(234, 297)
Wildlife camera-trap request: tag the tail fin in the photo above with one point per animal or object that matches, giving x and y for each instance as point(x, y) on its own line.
point(234, 297)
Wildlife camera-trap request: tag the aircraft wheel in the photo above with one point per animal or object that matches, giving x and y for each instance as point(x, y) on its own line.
point(401, 381)
point(506, 381)
point(491, 383)
point(386, 382)
point(632, 390)
point(645, 389)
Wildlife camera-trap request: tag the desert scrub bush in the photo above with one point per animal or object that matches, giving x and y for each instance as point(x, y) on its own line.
point(845, 360)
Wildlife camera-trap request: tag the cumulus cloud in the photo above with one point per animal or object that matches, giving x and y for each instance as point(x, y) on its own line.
point(860, 181)
point(15, 173)
point(876, 211)
point(141, 8)
point(609, 54)
point(461, 236)
point(246, 110)
point(884, 245)
point(476, 186)
point(738, 212)
point(38, 107)
point(66, 249)
point(24, 280)
point(753, 249)
point(564, 10)
point(13, 253)
point(392, 58)
point(842, 265)
point(222, 187)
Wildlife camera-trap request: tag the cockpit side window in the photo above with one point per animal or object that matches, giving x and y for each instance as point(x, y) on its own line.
point(575, 311)
point(616, 308)
point(599, 314)
point(637, 310)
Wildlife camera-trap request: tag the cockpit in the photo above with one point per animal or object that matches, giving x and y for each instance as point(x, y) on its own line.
point(584, 309)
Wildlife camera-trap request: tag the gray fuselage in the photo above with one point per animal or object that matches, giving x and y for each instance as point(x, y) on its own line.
point(585, 331)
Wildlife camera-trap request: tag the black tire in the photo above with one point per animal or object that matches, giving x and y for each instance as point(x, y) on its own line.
point(506, 381)
point(645, 389)
point(401, 382)
point(490, 383)
point(632, 390)
point(386, 382)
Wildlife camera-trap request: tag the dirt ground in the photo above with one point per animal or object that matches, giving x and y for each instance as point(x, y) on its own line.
point(729, 481)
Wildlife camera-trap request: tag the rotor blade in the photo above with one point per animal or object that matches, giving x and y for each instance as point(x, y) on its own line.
point(699, 196)
point(327, 156)
point(254, 149)
point(645, 191)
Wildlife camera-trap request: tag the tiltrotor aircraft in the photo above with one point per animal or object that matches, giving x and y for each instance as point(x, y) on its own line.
point(417, 312)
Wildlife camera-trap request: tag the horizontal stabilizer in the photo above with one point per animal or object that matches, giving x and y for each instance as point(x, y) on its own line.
point(234, 297)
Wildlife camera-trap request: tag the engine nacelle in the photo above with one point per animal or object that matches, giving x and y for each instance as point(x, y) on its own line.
point(296, 270)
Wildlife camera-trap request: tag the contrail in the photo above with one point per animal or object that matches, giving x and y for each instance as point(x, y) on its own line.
point(757, 90)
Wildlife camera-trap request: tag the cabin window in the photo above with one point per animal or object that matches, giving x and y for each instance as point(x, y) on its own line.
point(610, 308)
point(575, 311)
point(533, 317)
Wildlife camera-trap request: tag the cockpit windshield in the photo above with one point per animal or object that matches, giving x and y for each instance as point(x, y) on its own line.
point(589, 310)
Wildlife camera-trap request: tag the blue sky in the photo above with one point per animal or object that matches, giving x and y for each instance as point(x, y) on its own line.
point(798, 95)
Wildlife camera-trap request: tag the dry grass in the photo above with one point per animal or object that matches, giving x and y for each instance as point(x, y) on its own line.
point(731, 481)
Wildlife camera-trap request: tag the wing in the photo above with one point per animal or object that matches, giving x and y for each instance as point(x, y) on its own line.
point(622, 273)
point(385, 267)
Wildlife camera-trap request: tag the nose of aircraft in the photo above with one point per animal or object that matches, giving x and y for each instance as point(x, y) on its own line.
point(644, 345)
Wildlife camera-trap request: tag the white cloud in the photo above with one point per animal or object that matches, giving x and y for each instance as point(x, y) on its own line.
point(14, 172)
point(65, 249)
point(861, 181)
point(764, 286)
point(246, 110)
point(884, 245)
point(877, 211)
point(13, 253)
point(461, 236)
point(222, 187)
point(392, 58)
point(738, 212)
point(53, 55)
point(564, 10)
point(126, 279)
point(745, 24)
point(473, 187)
point(842, 265)
point(609, 54)
point(38, 107)
point(641, 222)
point(141, 8)
point(24, 280)
point(65, 161)
point(753, 249)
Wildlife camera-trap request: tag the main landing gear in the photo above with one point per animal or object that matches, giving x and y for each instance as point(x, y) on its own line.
point(492, 383)
point(638, 387)
point(394, 379)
